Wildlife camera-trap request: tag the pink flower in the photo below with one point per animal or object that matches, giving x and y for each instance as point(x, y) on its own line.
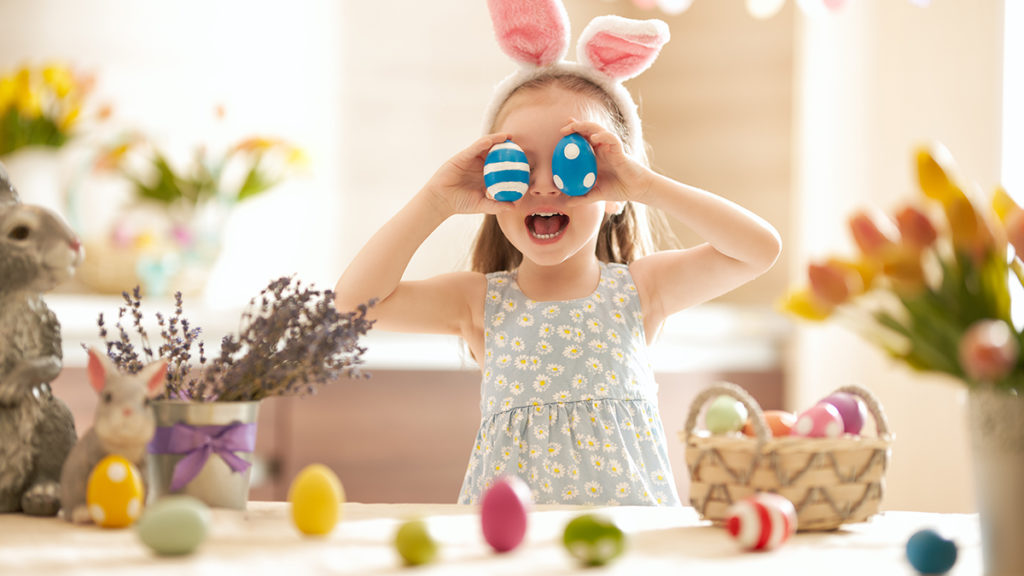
point(988, 350)
point(916, 229)
point(870, 238)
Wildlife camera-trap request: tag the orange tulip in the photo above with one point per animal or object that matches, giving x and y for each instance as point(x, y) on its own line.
point(1002, 205)
point(904, 269)
point(988, 350)
point(971, 233)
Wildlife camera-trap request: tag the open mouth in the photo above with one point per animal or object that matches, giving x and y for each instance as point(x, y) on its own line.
point(546, 225)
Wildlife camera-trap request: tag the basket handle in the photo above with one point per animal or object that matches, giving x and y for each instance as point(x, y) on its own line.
point(756, 414)
point(874, 406)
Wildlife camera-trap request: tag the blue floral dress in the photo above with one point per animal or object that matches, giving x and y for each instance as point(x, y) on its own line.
point(569, 401)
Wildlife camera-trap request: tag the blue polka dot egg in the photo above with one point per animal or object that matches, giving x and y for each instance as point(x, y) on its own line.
point(573, 165)
point(506, 172)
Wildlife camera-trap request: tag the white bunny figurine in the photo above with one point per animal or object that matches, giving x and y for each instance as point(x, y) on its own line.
point(124, 424)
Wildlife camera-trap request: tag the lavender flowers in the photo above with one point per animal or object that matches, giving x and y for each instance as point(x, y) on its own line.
point(291, 341)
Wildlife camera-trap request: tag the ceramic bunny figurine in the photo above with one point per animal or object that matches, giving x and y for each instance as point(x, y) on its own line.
point(38, 251)
point(123, 425)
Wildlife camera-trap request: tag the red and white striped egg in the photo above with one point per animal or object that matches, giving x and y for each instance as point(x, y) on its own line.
point(762, 522)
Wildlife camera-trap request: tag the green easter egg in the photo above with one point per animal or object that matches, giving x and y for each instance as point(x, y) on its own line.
point(724, 415)
point(415, 544)
point(593, 539)
point(174, 525)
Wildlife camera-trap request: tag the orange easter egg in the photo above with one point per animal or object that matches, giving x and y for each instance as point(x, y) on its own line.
point(779, 422)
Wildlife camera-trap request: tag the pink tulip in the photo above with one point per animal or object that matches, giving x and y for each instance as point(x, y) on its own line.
point(833, 284)
point(915, 228)
point(871, 240)
point(988, 350)
point(1015, 231)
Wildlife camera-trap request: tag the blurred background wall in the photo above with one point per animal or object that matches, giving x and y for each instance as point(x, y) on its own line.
point(799, 117)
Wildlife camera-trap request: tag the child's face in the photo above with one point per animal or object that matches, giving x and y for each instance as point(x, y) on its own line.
point(541, 226)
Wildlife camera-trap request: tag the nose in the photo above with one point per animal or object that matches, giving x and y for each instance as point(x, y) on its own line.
point(541, 180)
point(127, 412)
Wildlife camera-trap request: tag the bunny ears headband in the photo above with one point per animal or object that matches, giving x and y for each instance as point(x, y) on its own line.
point(611, 49)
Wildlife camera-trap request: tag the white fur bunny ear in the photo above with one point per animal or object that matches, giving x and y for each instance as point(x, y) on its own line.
point(7, 193)
point(621, 48)
point(531, 32)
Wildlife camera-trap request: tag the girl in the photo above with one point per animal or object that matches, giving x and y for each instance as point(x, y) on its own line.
point(564, 296)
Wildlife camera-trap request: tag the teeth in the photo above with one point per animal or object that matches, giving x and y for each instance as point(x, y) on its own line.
point(545, 214)
point(544, 236)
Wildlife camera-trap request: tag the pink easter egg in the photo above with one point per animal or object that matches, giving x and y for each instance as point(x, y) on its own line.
point(819, 421)
point(851, 409)
point(503, 513)
point(761, 522)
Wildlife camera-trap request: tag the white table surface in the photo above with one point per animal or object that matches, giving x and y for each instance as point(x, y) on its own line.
point(262, 540)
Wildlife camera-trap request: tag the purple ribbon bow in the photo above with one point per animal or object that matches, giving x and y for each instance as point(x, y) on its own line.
point(198, 443)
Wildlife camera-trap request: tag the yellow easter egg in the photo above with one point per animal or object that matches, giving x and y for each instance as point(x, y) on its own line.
point(316, 497)
point(115, 494)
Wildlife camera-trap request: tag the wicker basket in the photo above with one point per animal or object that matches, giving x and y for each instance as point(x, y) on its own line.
point(831, 481)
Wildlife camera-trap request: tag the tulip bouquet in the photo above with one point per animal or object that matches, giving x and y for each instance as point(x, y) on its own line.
point(931, 283)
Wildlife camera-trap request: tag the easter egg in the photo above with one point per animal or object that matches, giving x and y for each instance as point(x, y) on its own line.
point(779, 422)
point(503, 513)
point(415, 544)
point(851, 409)
point(930, 553)
point(506, 172)
point(762, 521)
point(593, 539)
point(725, 414)
point(174, 525)
point(573, 165)
point(115, 494)
point(316, 496)
point(819, 421)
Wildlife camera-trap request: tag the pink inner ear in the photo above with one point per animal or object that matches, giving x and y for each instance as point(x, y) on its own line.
point(97, 374)
point(158, 377)
point(621, 56)
point(533, 32)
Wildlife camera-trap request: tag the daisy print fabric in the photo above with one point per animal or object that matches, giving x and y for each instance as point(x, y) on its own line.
point(569, 401)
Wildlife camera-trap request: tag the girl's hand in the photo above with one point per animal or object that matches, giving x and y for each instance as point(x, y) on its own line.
point(619, 177)
point(458, 186)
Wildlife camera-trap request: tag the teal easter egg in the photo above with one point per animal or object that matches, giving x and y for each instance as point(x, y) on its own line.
point(174, 525)
point(725, 414)
point(573, 165)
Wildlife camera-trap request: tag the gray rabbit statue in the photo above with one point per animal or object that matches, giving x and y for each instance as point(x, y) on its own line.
point(38, 251)
point(123, 425)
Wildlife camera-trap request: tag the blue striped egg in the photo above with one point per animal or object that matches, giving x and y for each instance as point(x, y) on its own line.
point(506, 172)
point(573, 165)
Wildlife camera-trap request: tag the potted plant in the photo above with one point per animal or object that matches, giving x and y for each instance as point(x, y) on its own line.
point(931, 285)
point(167, 235)
point(291, 341)
point(42, 109)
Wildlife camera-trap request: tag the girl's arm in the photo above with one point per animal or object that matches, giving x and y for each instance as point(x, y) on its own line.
point(739, 245)
point(442, 304)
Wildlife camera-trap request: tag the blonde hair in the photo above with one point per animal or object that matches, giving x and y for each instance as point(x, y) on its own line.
point(623, 237)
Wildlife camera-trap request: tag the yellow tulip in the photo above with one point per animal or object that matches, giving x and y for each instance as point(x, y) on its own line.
point(969, 230)
point(70, 117)
point(59, 78)
point(866, 270)
point(297, 157)
point(7, 90)
point(1003, 205)
point(802, 303)
point(28, 102)
point(904, 269)
point(934, 169)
